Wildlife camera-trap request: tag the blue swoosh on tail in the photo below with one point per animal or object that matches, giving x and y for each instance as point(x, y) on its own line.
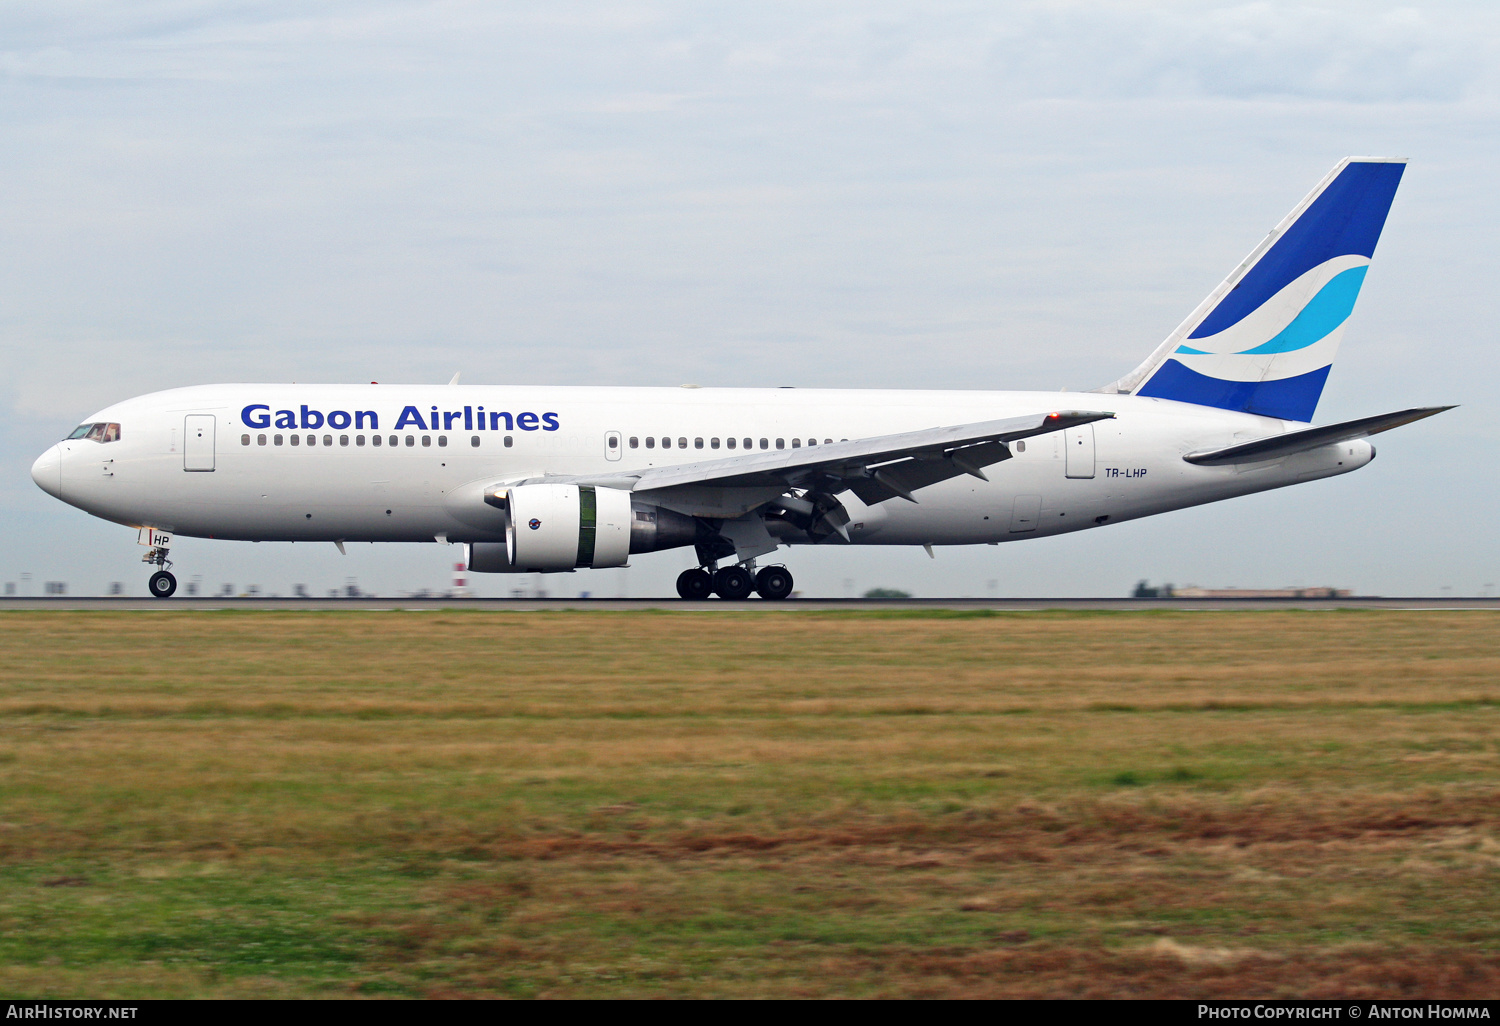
point(1345, 219)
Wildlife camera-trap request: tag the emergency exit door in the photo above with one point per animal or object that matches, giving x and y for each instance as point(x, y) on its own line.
point(198, 442)
point(1079, 445)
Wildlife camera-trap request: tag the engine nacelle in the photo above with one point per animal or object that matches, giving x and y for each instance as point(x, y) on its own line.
point(563, 526)
point(559, 540)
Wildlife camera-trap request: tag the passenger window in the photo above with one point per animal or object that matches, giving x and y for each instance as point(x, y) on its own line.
point(812, 441)
point(729, 442)
point(666, 443)
point(635, 442)
point(474, 441)
point(278, 439)
point(374, 439)
point(295, 439)
point(260, 439)
point(328, 440)
point(396, 440)
point(312, 439)
point(344, 439)
point(442, 441)
point(698, 443)
point(509, 441)
point(828, 441)
point(360, 439)
point(427, 441)
point(796, 443)
point(411, 440)
point(244, 439)
point(682, 443)
point(781, 443)
point(713, 443)
point(650, 442)
point(764, 444)
point(749, 444)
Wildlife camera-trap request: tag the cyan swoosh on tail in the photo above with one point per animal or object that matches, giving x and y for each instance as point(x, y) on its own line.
point(1323, 313)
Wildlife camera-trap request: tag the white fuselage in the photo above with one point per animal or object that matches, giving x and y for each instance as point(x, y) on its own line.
point(426, 482)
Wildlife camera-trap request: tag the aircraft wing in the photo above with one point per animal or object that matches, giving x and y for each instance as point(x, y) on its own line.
point(875, 469)
point(1291, 442)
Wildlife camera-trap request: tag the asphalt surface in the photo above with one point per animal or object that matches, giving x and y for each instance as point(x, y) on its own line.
point(148, 604)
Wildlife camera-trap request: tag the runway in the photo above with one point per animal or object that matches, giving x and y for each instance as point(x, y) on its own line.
point(375, 604)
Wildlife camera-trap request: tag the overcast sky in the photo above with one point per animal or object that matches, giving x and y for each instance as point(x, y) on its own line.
point(995, 195)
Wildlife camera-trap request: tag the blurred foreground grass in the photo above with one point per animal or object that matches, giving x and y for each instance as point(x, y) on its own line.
point(749, 803)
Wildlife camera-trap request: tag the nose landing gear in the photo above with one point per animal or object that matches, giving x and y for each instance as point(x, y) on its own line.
point(162, 583)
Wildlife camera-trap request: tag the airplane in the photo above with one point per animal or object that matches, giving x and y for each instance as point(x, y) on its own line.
point(556, 479)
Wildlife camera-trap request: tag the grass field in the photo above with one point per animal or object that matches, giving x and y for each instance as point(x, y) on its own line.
point(728, 804)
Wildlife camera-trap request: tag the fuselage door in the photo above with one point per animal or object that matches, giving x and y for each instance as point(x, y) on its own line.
point(1025, 514)
point(198, 442)
point(1079, 445)
point(612, 445)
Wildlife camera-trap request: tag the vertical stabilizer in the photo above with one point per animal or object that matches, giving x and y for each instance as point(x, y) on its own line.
point(1264, 340)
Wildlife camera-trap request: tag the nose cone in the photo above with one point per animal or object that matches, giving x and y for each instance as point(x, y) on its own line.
point(47, 472)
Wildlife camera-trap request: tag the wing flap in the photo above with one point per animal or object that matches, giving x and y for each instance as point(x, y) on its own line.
point(906, 476)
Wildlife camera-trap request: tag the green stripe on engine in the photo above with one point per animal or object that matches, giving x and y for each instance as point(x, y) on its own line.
point(588, 522)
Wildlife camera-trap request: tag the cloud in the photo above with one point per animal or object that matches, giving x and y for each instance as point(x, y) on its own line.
point(1246, 51)
point(1343, 51)
point(870, 194)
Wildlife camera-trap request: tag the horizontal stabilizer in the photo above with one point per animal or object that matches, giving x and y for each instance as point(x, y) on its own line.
point(1277, 446)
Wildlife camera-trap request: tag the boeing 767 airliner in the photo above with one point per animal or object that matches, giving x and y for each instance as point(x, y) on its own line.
point(537, 479)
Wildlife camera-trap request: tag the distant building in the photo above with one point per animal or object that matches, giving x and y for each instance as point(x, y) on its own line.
point(1146, 590)
point(1193, 591)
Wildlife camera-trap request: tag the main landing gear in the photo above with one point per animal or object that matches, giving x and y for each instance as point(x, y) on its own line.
point(162, 583)
point(735, 583)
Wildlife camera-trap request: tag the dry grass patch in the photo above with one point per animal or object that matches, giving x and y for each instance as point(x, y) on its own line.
point(731, 803)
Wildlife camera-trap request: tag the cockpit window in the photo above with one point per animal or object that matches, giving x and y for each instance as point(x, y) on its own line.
point(97, 432)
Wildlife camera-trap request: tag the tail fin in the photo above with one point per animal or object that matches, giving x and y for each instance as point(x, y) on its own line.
point(1264, 340)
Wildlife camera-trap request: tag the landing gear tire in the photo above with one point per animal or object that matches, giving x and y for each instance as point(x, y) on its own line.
point(162, 584)
point(695, 584)
point(774, 583)
point(733, 583)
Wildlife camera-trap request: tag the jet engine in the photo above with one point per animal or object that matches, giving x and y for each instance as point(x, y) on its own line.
point(562, 526)
point(553, 527)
